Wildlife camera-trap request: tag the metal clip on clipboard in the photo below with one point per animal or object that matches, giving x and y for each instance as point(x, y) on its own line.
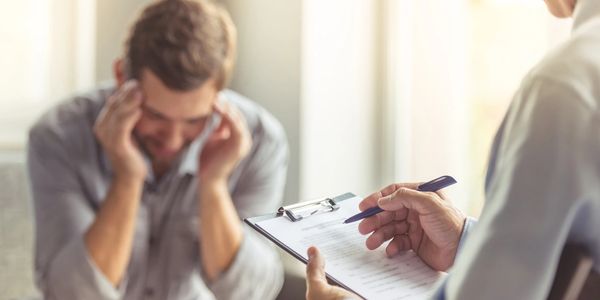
point(299, 211)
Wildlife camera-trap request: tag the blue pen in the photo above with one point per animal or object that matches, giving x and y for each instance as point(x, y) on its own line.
point(430, 186)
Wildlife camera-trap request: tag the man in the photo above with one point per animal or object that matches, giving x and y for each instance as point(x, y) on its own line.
point(541, 189)
point(139, 188)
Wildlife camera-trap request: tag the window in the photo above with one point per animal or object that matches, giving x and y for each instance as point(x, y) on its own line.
point(47, 54)
point(452, 68)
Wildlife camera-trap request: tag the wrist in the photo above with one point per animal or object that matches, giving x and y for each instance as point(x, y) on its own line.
point(213, 182)
point(128, 180)
point(129, 173)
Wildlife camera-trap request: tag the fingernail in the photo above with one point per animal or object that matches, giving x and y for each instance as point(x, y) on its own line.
point(131, 83)
point(311, 253)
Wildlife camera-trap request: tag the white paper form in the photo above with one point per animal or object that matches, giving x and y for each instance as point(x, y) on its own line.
point(371, 274)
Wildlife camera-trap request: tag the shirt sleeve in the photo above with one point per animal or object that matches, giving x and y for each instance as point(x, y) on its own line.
point(63, 269)
point(256, 272)
point(532, 199)
point(470, 222)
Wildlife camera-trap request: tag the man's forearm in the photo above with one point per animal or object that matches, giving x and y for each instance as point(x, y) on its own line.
point(220, 228)
point(109, 238)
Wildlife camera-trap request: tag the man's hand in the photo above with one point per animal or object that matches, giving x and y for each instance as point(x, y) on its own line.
point(425, 222)
point(109, 239)
point(114, 127)
point(226, 146)
point(220, 228)
point(317, 287)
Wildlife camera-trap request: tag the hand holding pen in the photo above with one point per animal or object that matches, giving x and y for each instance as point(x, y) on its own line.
point(411, 219)
point(431, 186)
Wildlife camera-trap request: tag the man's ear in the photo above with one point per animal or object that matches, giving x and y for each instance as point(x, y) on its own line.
point(119, 71)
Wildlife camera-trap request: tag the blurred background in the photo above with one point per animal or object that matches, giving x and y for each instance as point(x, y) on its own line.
point(370, 92)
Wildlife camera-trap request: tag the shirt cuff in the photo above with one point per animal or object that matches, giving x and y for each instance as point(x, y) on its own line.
point(74, 275)
point(255, 273)
point(469, 223)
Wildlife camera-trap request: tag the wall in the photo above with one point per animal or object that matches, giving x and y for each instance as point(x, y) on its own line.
point(268, 67)
point(113, 19)
point(340, 130)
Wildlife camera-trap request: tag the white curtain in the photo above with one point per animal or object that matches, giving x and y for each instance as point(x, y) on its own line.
point(427, 116)
point(452, 68)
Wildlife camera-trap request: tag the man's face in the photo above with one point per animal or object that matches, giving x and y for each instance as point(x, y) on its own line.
point(561, 8)
point(171, 119)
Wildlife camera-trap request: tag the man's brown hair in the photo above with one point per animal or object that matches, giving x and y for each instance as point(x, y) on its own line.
point(184, 42)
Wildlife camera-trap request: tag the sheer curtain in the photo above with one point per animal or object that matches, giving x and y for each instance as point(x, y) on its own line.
point(451, 70)
point(47, 54)
point(427, 116)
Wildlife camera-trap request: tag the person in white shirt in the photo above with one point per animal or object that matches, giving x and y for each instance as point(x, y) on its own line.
point(542, 186)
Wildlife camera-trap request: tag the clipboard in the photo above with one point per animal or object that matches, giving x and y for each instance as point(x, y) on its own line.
point(366, 273)
point(297, 212)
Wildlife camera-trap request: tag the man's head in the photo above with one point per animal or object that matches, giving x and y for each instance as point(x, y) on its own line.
point(182, 54)
point(561, 8)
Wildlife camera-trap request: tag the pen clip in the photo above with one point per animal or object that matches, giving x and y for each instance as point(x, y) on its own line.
point(437, 184)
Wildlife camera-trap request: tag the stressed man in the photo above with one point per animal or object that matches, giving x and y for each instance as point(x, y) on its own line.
point(139, 188)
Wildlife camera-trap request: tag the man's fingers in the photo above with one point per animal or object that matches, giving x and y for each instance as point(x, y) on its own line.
point(125, 101)
point(124, 91)
point(385, 233)
point(233, 118)
point(315, 268)
point(129, 122)
point(132, 101)
point(398, 244)
point(221, 132)
point(371, 200)
point(372, 223)
point(226, 110)
point(442, 194)
point(421, 202)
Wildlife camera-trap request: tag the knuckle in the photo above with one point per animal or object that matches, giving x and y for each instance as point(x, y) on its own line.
point(399, 194)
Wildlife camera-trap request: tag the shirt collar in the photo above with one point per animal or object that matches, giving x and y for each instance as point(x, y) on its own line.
point(189, 160)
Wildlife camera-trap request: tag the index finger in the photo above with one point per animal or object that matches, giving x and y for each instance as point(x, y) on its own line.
point(233, 116)
point(371, 200)
point(421, 202)
point(126, 90)
point(381, 219)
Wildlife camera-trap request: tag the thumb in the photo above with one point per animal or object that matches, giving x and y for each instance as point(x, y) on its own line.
point(315, 268)
point(421, 202)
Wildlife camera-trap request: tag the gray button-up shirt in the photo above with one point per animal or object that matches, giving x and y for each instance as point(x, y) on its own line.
point(70, 177)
